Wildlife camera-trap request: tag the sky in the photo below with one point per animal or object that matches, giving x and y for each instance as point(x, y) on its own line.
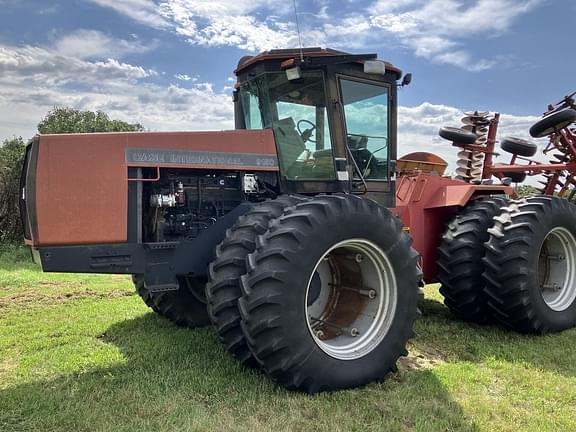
point(168, 63)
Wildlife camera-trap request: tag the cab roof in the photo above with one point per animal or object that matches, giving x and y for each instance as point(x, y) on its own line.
point(308, 54)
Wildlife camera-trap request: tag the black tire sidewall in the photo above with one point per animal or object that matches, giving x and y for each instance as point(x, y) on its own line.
point(335, 229)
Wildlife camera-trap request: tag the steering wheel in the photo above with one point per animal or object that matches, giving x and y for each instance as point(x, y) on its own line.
point(306, 133)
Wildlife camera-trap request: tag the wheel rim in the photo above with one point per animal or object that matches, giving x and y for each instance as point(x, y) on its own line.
point(351, 299)
point(556, 269)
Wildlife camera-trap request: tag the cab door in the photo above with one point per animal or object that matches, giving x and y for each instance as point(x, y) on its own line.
point(370, 135)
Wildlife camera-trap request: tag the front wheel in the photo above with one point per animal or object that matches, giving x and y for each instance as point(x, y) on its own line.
point(331, 293)
point(185, 306)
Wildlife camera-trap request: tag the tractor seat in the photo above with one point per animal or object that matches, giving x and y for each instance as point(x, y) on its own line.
point(356, 142)
point(290, 143)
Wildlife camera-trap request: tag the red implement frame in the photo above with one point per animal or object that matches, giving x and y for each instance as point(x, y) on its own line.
point(426, 201)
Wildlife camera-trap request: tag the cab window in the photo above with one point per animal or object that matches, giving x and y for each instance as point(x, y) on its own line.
point(296, 111)
point(366, 118)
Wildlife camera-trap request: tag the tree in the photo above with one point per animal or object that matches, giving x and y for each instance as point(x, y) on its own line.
point(11, 157)
point(69, 120)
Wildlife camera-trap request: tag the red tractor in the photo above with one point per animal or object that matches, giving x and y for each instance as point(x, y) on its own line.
point(283, 233)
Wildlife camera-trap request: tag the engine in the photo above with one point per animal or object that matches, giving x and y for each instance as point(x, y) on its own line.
point(184, 203)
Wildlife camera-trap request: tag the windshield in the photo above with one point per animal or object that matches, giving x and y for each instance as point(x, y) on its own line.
point(296, 111)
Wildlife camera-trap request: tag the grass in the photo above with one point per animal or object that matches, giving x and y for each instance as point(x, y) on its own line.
point(83, 353)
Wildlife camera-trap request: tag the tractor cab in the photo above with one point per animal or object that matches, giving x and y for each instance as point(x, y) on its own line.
point(333, 116)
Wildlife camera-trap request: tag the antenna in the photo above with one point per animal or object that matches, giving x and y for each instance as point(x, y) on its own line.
point(298, 28)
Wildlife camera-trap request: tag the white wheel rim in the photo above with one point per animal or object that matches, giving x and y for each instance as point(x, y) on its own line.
point(356, 297)
point(556, 269)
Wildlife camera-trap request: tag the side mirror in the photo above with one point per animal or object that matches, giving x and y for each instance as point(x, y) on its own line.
point(406, 80)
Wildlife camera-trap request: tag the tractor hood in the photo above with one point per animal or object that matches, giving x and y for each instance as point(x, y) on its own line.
point(75, 186)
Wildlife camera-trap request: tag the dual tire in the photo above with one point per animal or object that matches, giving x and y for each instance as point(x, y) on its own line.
point(326, 296)
point(517, 268)
point(223, 289)
point(530, 265)
point(330, 295)
point(460, 255)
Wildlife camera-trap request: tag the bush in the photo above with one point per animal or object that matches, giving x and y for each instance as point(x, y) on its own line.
point(11, 158)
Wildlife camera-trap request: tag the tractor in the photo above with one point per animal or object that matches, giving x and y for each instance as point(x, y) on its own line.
point(300, 235)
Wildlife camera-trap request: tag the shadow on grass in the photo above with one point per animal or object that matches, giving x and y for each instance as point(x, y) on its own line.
point(455, 340)
point(178, 379)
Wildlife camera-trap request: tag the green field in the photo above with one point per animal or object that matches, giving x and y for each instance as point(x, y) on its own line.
point(83, 353)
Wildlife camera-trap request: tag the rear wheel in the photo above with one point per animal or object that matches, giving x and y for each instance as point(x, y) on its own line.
point(460, 256)
point(331, 293)
point(531, 265)
point(185, 307)
point(223, 289)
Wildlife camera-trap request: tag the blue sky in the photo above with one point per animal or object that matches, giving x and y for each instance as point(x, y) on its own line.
point(168, 63)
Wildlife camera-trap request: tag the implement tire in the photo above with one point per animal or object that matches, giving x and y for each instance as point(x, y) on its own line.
point(184, 307)
point(330, 297)
point(519, 146)
point(553, 123)
point(223, 287)
point(460, 256)
point(457, 135)
point(530, 265)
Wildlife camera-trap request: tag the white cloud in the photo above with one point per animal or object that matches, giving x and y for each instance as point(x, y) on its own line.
point(201, 108)
point(185, 77)
point(232, 23)
point(87, 44)
point(253, 25)
point(156, 107)
point(46, 67)
point(143, 11)
point(29, 88)
point(426, 119)
point(33, 80)
point(179, 9)
point(242, 31)
point(438, 29)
